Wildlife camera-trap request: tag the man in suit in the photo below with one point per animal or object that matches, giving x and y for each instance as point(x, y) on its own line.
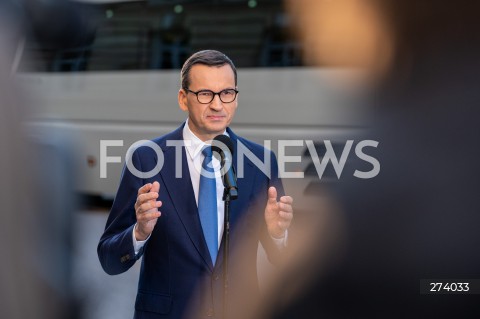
point(163, 219)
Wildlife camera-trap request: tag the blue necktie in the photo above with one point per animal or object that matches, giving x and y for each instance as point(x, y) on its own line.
point(207, 204)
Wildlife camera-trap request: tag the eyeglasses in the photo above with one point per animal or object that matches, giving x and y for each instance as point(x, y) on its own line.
point(207, 96)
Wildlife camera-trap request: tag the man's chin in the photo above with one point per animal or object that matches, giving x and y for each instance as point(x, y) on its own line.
point(217, 129)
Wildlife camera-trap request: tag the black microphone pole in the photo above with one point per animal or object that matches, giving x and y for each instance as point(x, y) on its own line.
point(226, 234)
point(228, 194)
point(229, 179)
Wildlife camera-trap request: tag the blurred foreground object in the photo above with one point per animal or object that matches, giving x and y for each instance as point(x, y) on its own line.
point(344, 33)
point(418, 219)
point(36, 199)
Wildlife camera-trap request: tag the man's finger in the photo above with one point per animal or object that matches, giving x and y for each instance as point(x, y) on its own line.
point(272, 195)
point(144, 189)
point(146, 197)
point(145, 207)
point(286, 199)
point(151, 214)
point(143, 198)
point(285, 207)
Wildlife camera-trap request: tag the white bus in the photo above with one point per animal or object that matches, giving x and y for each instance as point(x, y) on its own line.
point(120, 82)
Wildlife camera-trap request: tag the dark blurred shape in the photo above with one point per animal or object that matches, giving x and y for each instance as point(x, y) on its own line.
point(419, 218)
point(73, 36)
point(36, 197)
point(57, 23)
point(35, 217)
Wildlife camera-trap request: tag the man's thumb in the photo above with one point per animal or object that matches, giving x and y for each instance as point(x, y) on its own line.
point(155, 187)
point(272, 194)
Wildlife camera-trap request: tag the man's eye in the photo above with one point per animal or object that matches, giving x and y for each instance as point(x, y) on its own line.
point(228, 92)
point(205, 93)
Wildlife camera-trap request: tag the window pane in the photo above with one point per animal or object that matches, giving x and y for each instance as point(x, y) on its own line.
point(161, 34)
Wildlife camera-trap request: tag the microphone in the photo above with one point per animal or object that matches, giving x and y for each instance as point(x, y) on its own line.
point(223, 146)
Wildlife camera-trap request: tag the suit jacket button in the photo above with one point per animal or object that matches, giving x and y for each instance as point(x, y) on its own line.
point(125, 258)
point(216, 277)
point(210, 312)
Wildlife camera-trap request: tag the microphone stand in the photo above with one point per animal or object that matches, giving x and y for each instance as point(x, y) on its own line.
point(228, 194)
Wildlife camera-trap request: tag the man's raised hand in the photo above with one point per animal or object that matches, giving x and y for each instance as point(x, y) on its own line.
point(146, 210)
point(278, 215)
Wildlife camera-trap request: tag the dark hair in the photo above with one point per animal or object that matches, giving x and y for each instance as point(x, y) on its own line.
point(208, 58)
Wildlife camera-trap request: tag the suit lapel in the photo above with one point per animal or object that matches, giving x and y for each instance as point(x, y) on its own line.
point(181, 193)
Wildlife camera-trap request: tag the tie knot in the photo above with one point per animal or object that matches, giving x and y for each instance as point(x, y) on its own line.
point(207, 151)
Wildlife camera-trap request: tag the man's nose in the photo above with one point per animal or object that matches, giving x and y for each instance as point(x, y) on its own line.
point(216, 103)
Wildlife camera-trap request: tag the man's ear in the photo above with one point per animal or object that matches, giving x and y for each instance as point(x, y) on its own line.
point(182, 100)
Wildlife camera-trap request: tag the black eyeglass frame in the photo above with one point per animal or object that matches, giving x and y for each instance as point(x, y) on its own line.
point(213, 95)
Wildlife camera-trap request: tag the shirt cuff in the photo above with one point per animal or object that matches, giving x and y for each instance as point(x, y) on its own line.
point(138, 244)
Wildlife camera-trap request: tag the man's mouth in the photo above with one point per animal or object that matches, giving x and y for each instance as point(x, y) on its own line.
point(215, 117)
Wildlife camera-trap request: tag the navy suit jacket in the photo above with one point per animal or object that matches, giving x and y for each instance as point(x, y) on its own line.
point(177, 278)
